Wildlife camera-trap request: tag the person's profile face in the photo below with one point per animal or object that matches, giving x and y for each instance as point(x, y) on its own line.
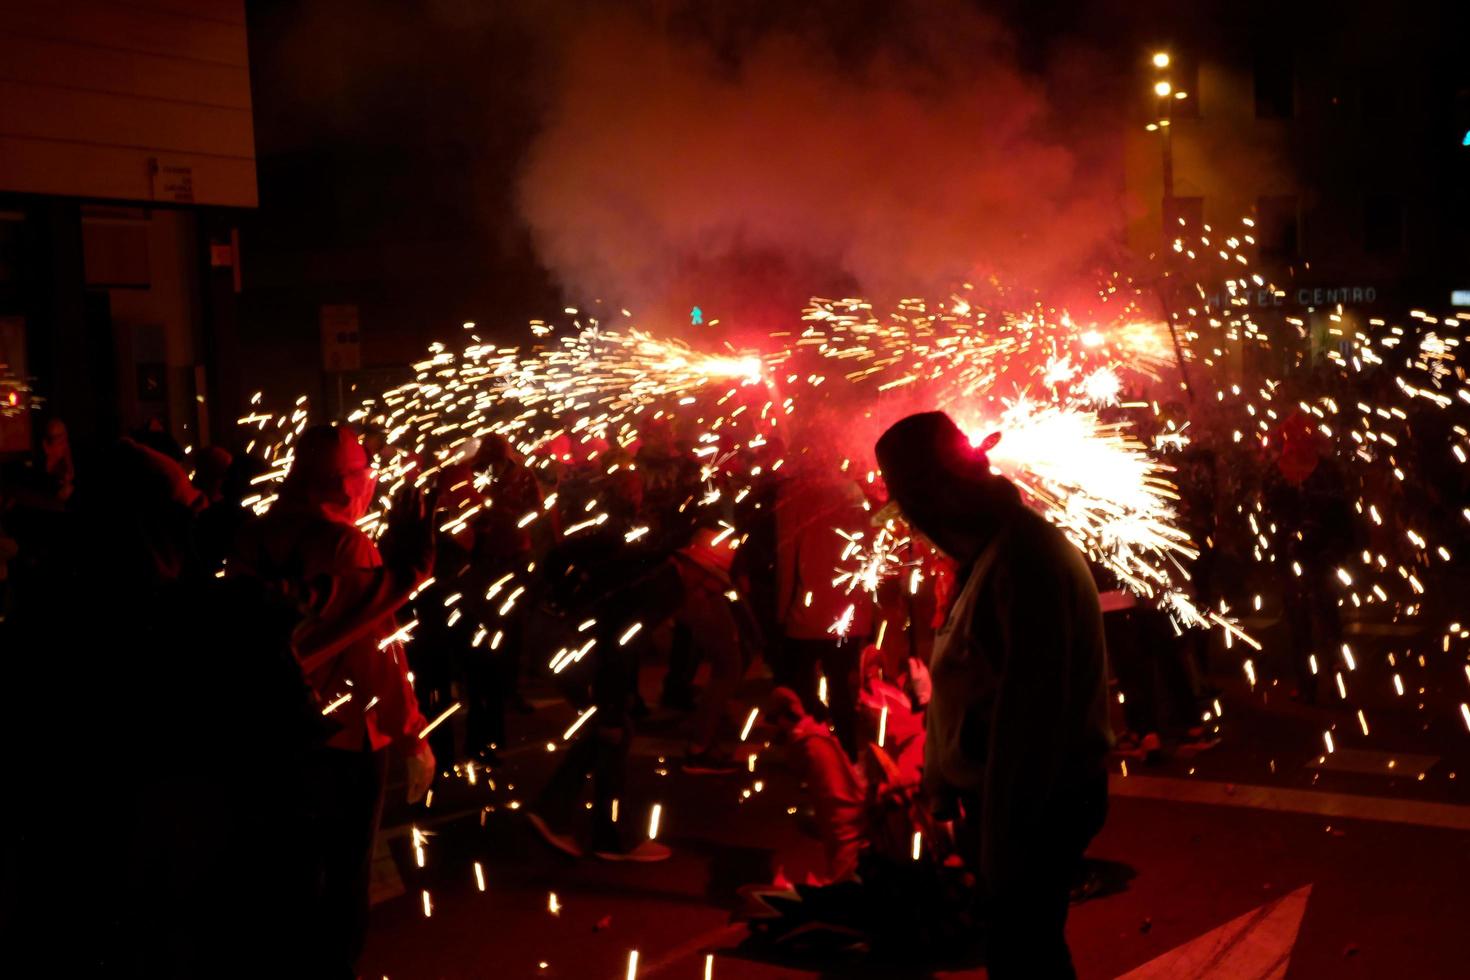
point(358, 478)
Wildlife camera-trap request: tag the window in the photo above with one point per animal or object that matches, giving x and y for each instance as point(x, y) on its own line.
point(1275, 77)
point(1191, 210)
point(1383, 224)
point(1277, 234)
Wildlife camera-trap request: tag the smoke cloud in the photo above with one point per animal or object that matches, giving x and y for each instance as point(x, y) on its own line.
point(676, 164)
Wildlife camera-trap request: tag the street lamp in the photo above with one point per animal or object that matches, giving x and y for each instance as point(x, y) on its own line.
point(1163, 89)
point(1164, 92)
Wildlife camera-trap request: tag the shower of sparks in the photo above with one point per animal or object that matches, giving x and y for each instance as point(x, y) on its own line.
point(1098, 484)
point(1096, 416)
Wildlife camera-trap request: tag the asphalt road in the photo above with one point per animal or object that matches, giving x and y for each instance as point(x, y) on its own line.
point(1265, 857)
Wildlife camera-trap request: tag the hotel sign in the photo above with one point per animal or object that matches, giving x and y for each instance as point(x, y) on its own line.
point(1307, 296)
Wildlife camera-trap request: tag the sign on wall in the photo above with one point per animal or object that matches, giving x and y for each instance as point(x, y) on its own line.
point(173, 180)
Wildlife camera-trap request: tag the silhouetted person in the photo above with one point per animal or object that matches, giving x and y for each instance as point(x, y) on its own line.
point(1017, 727)
point(154, 435)
point(1307, 497)
point(224, 520)
point(211, 471)
point(811, 508)
point(198, 869)
point(597, 578)
point(503, 545)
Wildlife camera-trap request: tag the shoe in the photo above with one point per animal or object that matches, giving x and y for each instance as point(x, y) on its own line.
point(644, 852)
point(562, 842)
point(710, 762)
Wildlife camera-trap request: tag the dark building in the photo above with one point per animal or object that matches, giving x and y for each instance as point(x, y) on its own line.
point(1338, 128)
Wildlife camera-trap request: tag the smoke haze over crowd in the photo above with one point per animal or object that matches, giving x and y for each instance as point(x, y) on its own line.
point(679, 160)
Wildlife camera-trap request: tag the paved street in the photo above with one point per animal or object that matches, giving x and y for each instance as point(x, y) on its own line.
point(1255, 859)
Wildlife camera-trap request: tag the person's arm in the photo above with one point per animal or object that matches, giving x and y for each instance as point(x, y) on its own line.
point(355, 606)
point(1027, 725)
point(365, 587)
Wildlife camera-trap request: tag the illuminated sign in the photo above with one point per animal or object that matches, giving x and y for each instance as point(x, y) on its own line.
point(1460, 297)
point(1305, 296)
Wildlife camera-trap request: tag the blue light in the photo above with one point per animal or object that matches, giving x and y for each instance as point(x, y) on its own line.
point(696, 317)
point(1466, 140)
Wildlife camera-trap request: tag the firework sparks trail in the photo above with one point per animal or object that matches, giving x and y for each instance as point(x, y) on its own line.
point(1098, 485)
point(1086, 449)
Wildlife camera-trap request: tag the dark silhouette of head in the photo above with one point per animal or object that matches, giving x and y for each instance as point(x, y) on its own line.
point(943, 483)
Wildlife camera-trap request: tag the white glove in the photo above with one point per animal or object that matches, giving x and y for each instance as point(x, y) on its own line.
point(420, 770)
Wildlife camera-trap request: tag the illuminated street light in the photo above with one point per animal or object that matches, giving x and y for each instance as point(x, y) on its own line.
point(1163, 88)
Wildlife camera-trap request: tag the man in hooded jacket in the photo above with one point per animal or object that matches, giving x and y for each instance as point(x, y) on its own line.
point(1017, 728)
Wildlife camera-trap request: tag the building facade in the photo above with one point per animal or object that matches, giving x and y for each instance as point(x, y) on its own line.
point(126, 157)
point(1336, 129)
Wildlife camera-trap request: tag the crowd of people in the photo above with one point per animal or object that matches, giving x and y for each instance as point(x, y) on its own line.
point(254, 668)
point(246, 681)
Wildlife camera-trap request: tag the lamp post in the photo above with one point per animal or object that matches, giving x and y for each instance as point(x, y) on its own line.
point(1164, 92)
point(1165, 95)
